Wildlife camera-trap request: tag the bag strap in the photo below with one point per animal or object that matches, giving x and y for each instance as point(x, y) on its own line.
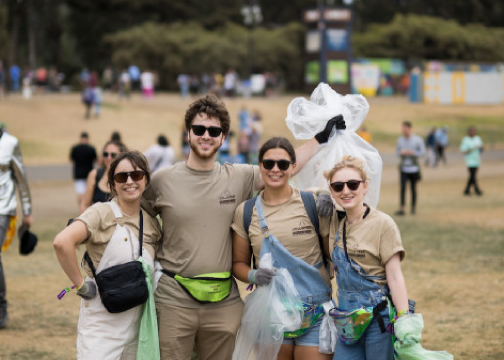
point(311, 210)
point(248, 209)
point(117, 215)
point(366, 213)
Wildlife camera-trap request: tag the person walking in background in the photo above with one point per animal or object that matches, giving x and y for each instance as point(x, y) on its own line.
point(183, 83)
point(147, 81)
point(430, 147)
point(124, 85)
point(12, 175)
point(366, 135)
point(97, 183)
point(410, 147)
point(87, 99)
point(472, 146)
point(160, 155)
point(110, 232)
point(256, 130)
point(441, 136)
point(83, 157)
point(98, 98)
point(2, 80)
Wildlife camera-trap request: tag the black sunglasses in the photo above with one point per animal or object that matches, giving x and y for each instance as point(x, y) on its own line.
point(199, 130)
point(112, 155)
point(122, 177)
point(352, 185)
point(270, 164)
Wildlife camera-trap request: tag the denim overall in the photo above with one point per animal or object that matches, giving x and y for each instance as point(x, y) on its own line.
point(311, 287)
point(354, 291)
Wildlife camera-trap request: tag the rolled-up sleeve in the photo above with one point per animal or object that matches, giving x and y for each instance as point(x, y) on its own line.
point(21, 180)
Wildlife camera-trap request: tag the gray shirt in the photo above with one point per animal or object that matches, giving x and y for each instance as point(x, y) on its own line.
point(409, 163)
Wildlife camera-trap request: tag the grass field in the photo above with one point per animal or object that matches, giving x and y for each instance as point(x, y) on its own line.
point(454, 266)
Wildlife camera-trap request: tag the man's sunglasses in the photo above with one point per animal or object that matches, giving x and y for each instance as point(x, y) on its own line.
point(122, 177)
point(270, 164)
point(353, 185)
point(106, 155)
point(199, 130)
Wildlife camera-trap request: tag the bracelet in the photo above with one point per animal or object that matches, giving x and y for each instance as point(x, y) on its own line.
point(402, 313)
point(65, 290)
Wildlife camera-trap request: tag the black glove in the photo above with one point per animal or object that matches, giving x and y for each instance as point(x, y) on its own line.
point(324, 205)
point(87, 290)
point(337, 121)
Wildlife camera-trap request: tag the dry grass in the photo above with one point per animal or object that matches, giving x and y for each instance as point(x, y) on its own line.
point(455, 245)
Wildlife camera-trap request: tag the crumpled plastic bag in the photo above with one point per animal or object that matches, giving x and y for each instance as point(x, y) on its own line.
point(328, 334)
point(408, 332)
point(305, 118)
point(269, 312)
point(148, 338)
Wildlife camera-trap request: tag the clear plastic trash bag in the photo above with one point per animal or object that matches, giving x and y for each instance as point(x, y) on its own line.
point(305, 118)
point(408, 332)
point(269, 312)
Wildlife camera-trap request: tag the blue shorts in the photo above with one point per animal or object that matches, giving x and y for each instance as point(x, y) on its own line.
point(311, 338)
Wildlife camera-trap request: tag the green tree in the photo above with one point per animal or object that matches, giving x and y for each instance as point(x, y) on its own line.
point(425, 37)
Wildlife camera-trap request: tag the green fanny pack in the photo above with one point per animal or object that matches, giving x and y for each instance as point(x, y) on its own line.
point(205, 288)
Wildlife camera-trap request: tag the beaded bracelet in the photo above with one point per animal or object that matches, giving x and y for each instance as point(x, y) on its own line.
point(402, 313)
point(64, 291)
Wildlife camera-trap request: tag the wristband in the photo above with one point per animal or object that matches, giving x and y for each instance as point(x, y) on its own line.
point(78, 287)
point(251, 276)
point(402, 313)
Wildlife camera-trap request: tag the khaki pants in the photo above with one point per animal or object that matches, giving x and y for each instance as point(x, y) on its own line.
point(212, 330)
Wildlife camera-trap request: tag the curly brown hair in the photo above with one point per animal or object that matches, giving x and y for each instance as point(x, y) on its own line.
point(212, 106)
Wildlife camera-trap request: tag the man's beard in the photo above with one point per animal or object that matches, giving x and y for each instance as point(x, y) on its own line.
point(206, 155)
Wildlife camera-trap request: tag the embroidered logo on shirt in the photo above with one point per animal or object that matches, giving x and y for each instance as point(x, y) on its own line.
point(302, 230)
point(227, 198)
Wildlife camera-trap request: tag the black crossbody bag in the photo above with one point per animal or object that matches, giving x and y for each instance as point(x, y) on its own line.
point(122, 287)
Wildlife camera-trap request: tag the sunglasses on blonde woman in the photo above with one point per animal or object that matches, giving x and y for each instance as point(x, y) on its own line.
point(122, 177)
point(353, 185)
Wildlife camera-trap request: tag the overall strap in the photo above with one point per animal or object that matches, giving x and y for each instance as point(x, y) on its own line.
point(260, 215)
point(311, 210)
point(117, 215)
point(364, 276)
point(248, 209)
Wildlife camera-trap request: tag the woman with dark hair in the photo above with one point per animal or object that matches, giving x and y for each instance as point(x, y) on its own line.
point(110, 232)
point(97, 183)
point(293, 242)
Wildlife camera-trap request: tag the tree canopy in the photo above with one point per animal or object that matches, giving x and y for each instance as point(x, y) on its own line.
point(203, 36)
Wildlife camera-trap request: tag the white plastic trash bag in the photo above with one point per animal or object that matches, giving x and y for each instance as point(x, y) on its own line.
point(305, 118)
point(269, 312)
point(328, 334)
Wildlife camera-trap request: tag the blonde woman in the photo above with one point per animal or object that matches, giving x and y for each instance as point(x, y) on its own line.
point(366, 251)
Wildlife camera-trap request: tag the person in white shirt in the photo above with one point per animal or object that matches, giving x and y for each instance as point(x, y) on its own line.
point(160, 155)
